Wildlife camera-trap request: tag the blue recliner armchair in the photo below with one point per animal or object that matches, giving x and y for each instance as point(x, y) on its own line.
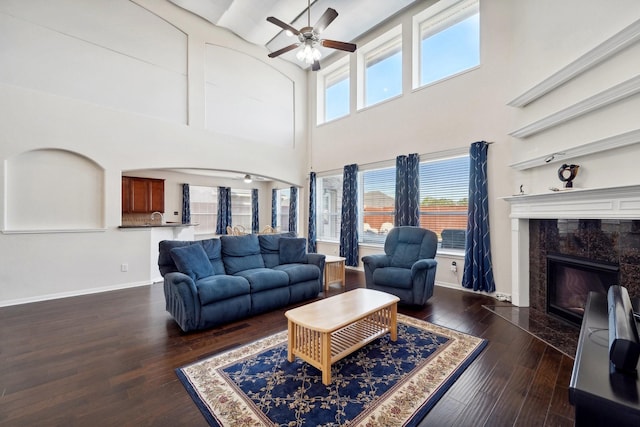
point(408, 268)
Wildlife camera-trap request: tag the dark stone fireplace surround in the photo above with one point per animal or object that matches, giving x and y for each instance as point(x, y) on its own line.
point(609, 241)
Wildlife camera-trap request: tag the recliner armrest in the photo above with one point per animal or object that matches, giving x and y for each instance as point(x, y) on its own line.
point(423, 264)
point(181, 290)
point(376, 261)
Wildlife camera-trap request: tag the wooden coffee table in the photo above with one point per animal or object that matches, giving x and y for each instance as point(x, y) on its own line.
point(325, 331)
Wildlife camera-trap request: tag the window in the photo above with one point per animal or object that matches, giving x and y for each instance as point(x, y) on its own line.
point(203, 202)
point(282, 209)
point(333, 91)
point(444, 189)
point(378, 203)
point(449, 40)
point(444, 192)
point(382, 67)
point(241, 208)
point(328, 207)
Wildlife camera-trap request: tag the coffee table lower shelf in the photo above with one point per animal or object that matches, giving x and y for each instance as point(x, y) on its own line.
point(322, 349)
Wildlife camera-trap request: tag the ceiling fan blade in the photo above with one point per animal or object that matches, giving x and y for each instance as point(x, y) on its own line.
point(283, 50)
point(315, 66)
point(327, 18)
point(349, 47)
point(283, 25)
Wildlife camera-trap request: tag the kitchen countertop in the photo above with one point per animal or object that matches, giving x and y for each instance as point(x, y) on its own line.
point(168, 224)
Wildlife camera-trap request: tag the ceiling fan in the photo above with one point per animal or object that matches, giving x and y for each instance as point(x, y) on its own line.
point(309, 37)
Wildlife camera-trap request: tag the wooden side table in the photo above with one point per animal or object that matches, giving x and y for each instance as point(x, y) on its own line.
point(333, 271)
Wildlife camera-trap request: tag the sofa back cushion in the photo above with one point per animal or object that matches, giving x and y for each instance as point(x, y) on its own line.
point(241, 253)
point(293, 250)
point(270, 247)
point(192, 260)
point(211, 247)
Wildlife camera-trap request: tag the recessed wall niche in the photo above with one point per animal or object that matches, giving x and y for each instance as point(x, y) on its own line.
point(53, 190)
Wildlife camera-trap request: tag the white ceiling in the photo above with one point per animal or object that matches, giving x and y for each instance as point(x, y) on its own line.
point(248, 18)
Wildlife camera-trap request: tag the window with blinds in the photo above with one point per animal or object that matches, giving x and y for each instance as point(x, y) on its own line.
point(444, 192)
point(377, 204)
point(203, 203)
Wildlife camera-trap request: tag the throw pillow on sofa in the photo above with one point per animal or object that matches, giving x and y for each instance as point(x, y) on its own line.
point(192, 260)
point(293, 250)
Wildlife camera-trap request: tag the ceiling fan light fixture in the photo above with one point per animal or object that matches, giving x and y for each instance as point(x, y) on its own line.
point(247, 179)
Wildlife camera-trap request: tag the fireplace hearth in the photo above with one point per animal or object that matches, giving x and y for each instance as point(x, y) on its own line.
point(569, 281)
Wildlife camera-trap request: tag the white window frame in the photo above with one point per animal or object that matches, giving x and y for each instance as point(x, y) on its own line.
point(434, 19)
point(382, 47)
point(325, 78)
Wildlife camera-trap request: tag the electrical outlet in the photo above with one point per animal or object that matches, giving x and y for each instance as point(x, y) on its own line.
point(124, 267)
point(454, 267)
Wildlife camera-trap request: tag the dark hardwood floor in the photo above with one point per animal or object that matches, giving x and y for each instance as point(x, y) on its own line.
point(108, 360)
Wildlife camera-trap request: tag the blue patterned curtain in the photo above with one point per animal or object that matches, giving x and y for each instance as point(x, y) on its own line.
point(349, 225)
point(478, 270)
point(255, 224)
point(186, 204)
point(311, 247)
point(408, 190)
point(293, 209)
point(274, 208)
point(224, 210)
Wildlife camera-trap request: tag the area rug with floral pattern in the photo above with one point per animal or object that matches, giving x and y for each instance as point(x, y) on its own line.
point(385, 383)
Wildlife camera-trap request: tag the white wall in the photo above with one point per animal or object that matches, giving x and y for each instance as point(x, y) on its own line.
point(522, 42)
point(120, 124)
point(90, 82)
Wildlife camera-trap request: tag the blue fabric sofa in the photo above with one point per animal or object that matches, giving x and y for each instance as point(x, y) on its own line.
point(407, 269)
point(215, 281)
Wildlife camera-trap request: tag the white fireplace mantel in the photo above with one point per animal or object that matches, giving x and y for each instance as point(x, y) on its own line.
point(592, 203)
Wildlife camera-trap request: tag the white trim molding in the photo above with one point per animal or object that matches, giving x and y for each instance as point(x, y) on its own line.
point(563, 155)
point(598, 54)
point(606, 97)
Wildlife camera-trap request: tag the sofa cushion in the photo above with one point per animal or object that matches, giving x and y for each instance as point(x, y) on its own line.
point(165, 262)
point(241, 253)
point(393, 277)
point(293, 250)
point(217, 288)
point(270, 247)
point(299, 272)
point(261, 279)
point(192, 260)
point(213, 248)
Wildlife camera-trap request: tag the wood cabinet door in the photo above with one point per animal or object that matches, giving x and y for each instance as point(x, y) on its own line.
point(140, 196)
point(157, 195)
point(126, 194)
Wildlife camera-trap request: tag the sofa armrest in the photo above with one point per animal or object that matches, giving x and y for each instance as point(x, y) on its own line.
point(182, 300)
point(317, 259)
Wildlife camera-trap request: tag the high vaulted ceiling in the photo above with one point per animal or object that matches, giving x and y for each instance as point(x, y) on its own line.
point(248, 18)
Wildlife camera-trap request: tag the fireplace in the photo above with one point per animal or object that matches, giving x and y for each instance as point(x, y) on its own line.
point(569, 281)
point(615, 210)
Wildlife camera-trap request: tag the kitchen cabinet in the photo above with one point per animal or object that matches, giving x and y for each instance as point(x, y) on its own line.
point(142, 195)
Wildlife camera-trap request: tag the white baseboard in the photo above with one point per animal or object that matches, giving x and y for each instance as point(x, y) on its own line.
point(79, 292)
